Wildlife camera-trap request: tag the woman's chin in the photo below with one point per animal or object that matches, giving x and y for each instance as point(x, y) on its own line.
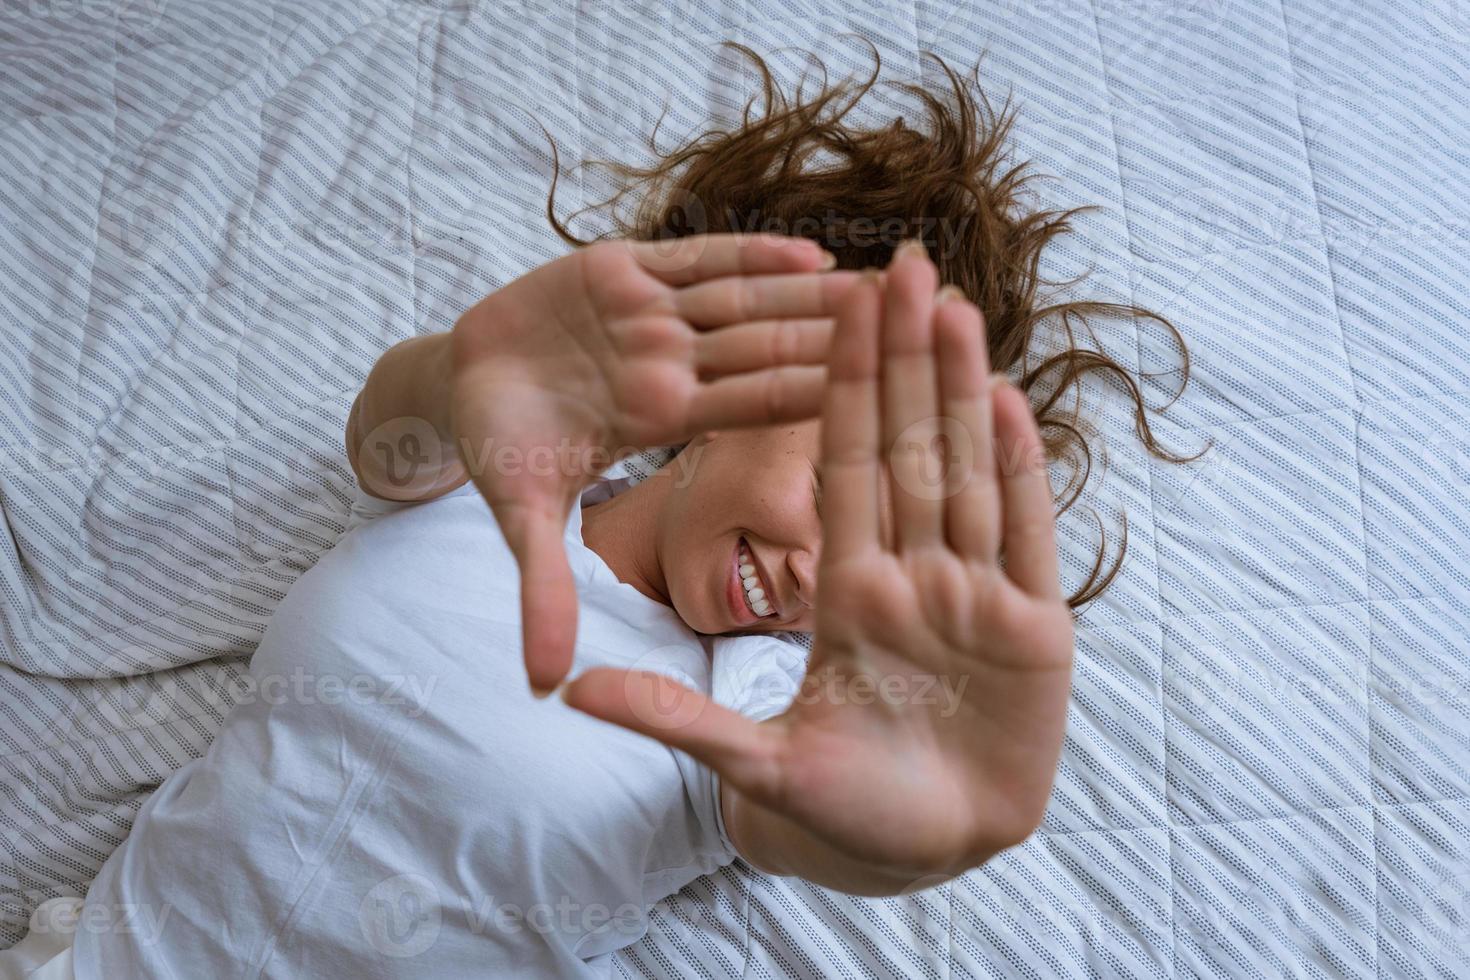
point(698, 618)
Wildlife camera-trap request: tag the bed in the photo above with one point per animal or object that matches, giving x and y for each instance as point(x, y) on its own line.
point(215, 215)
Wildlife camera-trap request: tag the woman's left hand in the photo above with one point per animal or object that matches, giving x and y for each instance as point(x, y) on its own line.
point(926, 735)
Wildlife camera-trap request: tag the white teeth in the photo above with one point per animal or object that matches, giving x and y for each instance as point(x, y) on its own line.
point(754, 594)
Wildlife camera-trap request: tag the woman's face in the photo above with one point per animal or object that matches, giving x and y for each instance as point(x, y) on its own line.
point(753, 492)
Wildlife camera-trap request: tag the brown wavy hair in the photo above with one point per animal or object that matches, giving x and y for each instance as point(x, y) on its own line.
point(801, 168)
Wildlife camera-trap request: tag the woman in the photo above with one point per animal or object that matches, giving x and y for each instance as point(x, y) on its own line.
point(399, 798)
point(454, 823)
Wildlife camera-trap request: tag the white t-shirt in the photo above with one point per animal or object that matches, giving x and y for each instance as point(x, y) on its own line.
point(388, 799)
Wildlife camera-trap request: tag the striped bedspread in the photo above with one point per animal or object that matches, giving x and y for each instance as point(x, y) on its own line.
point(215, 214)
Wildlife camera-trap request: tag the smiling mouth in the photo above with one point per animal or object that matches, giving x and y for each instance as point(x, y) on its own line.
point(753, 589)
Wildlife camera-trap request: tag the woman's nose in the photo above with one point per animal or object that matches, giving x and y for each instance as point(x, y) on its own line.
point(804, 569)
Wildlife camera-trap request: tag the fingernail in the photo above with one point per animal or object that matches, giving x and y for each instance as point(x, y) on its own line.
point(829, 261)
point(947, 293)
point(870, 275)
point(913, 248)
point(542, 693)
point(998, 381)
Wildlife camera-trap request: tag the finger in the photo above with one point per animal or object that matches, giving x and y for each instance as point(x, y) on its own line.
point(536, 537)
point(763, 344)
point(911, 400)
point(680, 261)
point(744, 753)
point(741, 299)
point(850, 427)
point(781, 394)
point(1028, 528)
point(972, 511)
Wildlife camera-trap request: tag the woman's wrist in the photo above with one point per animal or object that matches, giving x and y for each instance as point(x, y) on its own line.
point(777, 845)
point(400, 442)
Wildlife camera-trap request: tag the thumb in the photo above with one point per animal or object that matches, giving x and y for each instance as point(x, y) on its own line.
point(746, 754)
point(535, 534)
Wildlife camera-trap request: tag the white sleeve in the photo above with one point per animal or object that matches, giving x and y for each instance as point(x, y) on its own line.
point(365, 506)
point(701, 784)
point(757, 675)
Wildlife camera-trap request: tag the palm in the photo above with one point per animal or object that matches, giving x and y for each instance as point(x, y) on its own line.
point(907, 736)
point(555, 367)
point(956, 759)
point(615, 347)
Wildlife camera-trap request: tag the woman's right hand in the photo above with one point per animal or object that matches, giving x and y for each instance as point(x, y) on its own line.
point(620, 346)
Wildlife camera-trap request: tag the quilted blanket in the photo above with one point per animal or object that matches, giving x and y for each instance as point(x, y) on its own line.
point(215, 214)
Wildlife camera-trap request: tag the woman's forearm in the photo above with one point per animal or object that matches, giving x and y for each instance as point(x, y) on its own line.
point(399, 439)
